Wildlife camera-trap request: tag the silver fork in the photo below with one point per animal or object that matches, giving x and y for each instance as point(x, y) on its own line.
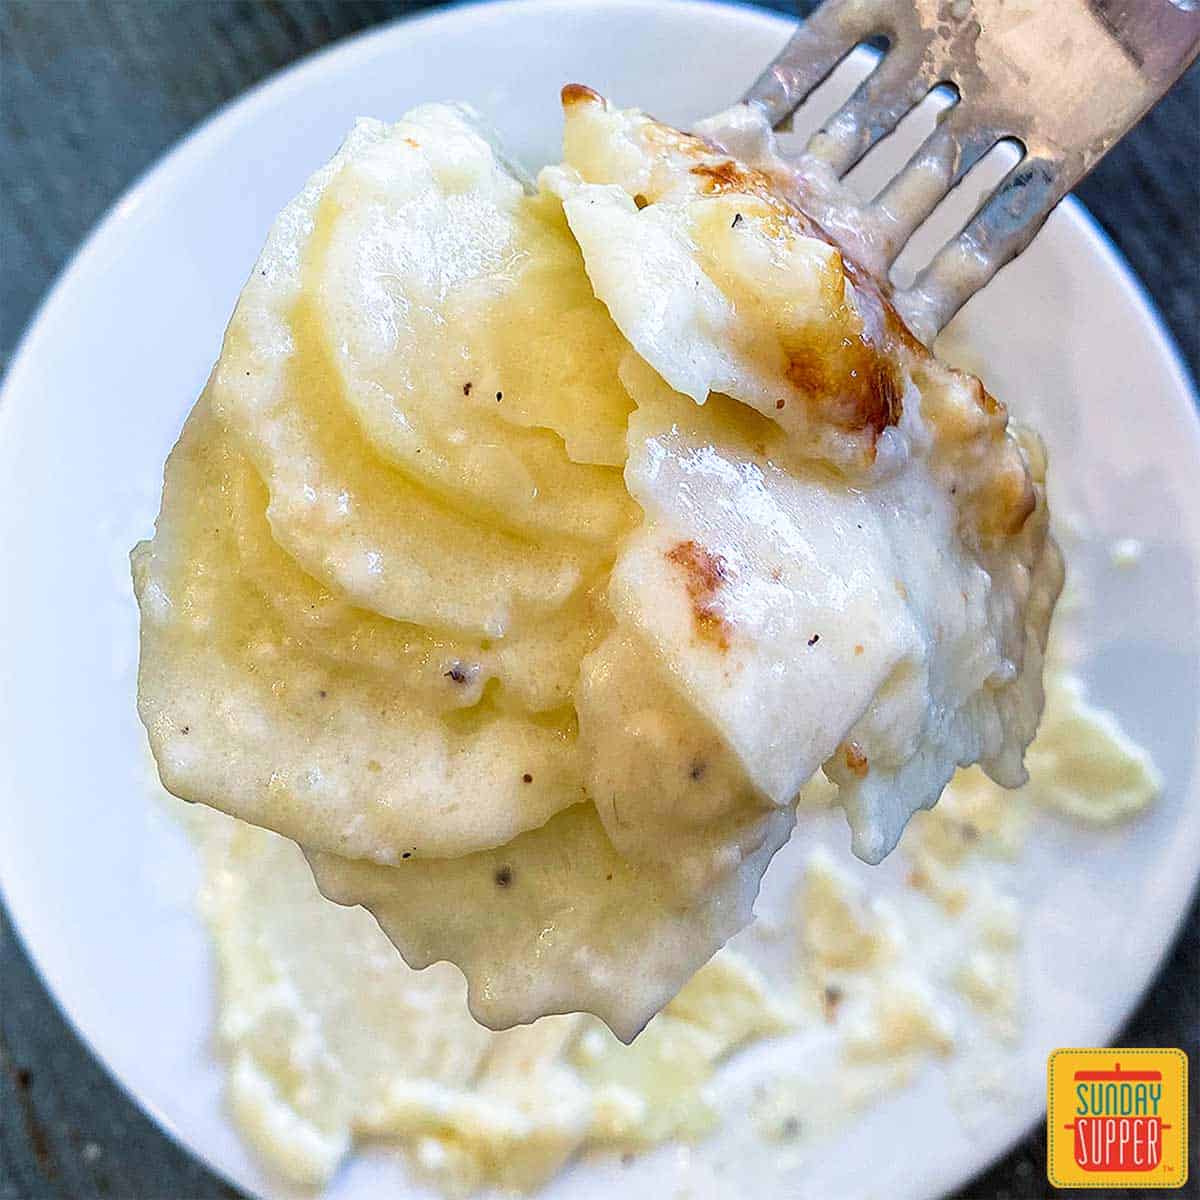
point(1066, 79)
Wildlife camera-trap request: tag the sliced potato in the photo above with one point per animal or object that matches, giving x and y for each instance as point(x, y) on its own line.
point(530, 551)
point(556, 921)
point(244, 716)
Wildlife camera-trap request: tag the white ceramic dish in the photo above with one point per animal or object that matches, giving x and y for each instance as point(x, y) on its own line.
point(99, 881)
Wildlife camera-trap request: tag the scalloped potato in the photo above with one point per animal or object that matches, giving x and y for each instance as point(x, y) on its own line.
point(531, 548)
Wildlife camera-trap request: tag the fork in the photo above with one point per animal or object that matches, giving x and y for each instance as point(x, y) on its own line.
point(1063, 79)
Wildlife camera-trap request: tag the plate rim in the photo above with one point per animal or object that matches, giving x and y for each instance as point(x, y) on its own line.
point(305, 70)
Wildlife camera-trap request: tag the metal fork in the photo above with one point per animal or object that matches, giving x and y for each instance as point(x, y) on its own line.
point(1066, 79)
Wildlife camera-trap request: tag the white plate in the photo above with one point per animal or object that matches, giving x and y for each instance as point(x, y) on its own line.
point(99, 882)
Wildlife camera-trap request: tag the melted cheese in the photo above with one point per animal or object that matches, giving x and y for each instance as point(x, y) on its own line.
point(896, 972)
point(489, 568)
point(1084, 764)
point(882, 504)
point(328, 1038)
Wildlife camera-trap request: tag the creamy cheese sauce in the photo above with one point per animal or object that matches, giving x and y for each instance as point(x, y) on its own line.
point(534, 546)
point(928, 967)
point(329, 1038)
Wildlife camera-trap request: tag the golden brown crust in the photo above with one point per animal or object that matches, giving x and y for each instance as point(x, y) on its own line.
point(850, 366)
point(724, 177)
point(851, 381)
point(704, 574)
point(854, 379)
point(856, 387)
point(578, 93)
point(855, 760)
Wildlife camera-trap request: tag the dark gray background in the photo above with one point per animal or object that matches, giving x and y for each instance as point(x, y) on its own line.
point(92, 93)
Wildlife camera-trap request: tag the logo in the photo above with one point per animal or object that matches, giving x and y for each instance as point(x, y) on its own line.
point(1117, 1118)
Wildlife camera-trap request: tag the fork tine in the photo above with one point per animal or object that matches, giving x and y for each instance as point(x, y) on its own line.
point(879, 103)
point(1001, 228)
point(936, 167)
point(1065, 77)
point(816, 48)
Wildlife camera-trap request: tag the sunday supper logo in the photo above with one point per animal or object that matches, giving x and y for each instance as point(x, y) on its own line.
point(1117, 1118)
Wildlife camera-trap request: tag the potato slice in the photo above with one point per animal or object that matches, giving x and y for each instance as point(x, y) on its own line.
point(530, 551)
point(882, 507)
point(536, 669)
point(555, 921)
point(244, 716)
point(416, 505)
